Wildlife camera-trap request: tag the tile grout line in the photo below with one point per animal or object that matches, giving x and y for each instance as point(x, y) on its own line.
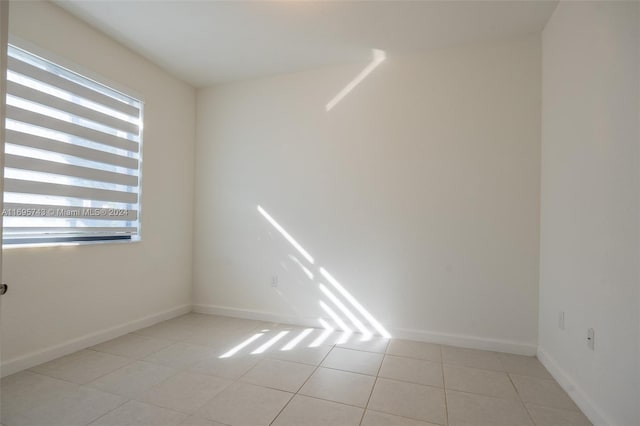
point(420, 384)
point(109, 411)
point(488, 396)
point(366, 406)
point(263, 357)
point(526, 410)
point(151, 404)
point(302, 385)
point(176, 371)
point(130, 361)
point(444, 389)
point(133, 361)
point(233, 382)
point(128, 399)
point(188, 414)
point(79, 385)
point(405, 417)
point(331, 400)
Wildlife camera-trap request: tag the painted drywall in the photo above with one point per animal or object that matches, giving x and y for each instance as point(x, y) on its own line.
point(418, 192)
point(589, 205)
point(61, 295)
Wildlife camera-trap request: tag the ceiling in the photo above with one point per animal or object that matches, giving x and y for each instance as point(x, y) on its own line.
point(209, 42)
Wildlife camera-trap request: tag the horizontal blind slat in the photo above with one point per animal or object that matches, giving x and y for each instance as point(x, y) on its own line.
point(43, 188)
point(39, 142)
point(41, 120)
point(39, 74)
point(37, 165)
point(70, 107)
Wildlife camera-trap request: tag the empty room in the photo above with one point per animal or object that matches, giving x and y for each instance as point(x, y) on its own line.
point(320, 213)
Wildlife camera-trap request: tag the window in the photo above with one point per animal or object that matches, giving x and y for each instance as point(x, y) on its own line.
point(72, 156)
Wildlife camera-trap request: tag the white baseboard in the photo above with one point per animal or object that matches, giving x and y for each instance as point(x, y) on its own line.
point(418, 335)
point(256, 315)
point(52, 352)
point(579, 396)
point(486, 344)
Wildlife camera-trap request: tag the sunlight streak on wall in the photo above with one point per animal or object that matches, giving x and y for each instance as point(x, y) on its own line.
point(378, 57)
point(341, 324)
point(325, 324)
point(324, 336)
point(286, 235)
point(306, 271)
point(379, 328)
point(365, 332)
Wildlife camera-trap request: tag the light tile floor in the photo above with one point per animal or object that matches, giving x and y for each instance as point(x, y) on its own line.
point(205, 370)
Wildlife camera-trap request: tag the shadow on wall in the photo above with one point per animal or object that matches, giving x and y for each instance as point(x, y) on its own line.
point(347, 318)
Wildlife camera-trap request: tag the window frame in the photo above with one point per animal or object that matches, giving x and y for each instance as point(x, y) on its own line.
point(97, 78)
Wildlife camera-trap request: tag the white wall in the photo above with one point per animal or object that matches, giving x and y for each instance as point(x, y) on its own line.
point(419, 192)
point(59, 295)
point(589, 205)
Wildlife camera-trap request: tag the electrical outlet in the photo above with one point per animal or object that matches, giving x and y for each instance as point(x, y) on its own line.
point(274, 281)
point(561, 320)
point(591, 339)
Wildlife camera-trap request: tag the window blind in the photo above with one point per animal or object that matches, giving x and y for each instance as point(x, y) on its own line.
point(72, 156)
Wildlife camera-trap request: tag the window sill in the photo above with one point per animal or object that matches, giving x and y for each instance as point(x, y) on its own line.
point(68, 244)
